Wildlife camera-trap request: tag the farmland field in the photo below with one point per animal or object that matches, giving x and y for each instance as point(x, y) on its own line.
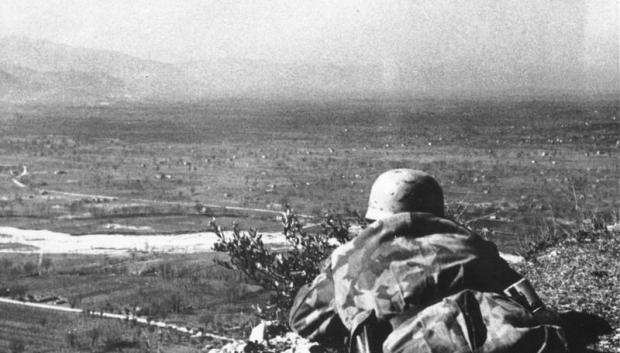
point(511, 169)
point(518, 161)
point(44, 331)
point(190, 290)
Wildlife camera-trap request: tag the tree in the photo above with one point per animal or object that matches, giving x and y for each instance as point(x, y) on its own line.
point(94, 334)
point(175, 302)
point(30, 268)
point(70, 338)
point(46, 264)
point(75, 300)
point(5, 264)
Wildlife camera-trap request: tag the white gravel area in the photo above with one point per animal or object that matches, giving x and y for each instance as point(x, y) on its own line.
point(35, 241)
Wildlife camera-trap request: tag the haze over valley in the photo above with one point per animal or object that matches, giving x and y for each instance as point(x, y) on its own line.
point(52, 51)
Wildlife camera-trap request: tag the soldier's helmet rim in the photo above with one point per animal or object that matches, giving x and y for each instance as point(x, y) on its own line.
point(404, 190)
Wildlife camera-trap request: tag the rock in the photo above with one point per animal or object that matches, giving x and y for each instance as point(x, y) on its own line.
point(232, 347)
point(613, 227)
point(550, 255)
point(259, 333)
point(291, 342)
point(307, 347)
point(511, 259)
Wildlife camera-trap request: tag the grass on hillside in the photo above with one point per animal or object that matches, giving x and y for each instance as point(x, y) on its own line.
point(578, 275)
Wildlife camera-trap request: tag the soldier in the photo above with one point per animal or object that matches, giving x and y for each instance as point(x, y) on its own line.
point(415, 281)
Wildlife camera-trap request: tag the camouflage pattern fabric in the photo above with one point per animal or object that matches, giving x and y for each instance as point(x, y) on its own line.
point(410, 261)
point(313, 314)
point(472, 321)
point(392, 271)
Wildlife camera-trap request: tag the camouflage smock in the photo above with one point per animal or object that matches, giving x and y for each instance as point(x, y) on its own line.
point(392, 271)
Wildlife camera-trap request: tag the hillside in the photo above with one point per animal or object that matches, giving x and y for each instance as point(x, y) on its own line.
point(43, 71)
point(574, 271)
point(577, 275)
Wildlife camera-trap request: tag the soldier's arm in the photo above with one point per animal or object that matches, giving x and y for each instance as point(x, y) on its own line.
point(313, 314)
point(504, 279)
point(502, 275)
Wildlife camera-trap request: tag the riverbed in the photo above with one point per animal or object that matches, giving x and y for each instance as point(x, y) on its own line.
point(16, 240)
point(35, 241)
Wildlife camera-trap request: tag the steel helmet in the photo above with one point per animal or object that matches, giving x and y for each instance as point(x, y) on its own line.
point(404, 190)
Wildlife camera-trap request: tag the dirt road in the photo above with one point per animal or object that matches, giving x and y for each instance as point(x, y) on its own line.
point(101, 314)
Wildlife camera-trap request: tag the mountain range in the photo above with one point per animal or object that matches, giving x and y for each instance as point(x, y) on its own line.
point(34, 70)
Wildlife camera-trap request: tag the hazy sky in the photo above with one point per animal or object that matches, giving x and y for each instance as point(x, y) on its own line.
point(501, 39)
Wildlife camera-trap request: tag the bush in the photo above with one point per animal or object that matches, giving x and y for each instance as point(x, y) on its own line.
point(70, 338)
point(30, 268)
point(284, 271)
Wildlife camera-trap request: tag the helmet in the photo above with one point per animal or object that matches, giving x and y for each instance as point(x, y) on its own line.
point(404, 190)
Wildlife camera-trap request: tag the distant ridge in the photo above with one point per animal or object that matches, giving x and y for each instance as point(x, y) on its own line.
point(43, 71)
point(34, 70)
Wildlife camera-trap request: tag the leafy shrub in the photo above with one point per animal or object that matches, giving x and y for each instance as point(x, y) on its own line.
point(282, 271)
